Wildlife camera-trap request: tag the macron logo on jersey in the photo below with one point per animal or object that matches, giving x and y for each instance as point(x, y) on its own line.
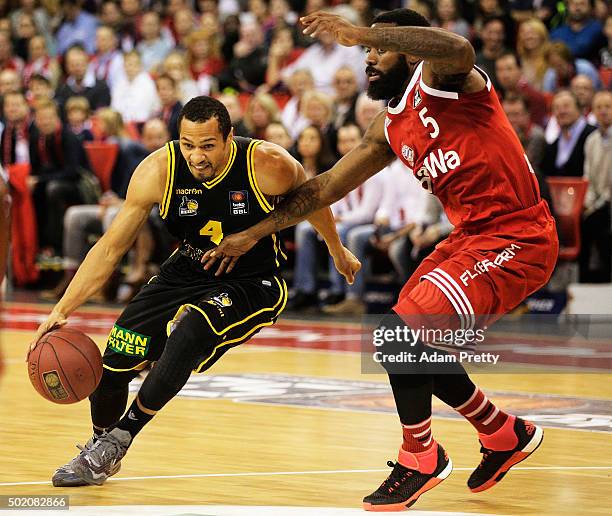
point(439, 161)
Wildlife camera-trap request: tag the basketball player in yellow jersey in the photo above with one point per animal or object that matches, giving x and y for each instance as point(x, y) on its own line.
point(208, 183)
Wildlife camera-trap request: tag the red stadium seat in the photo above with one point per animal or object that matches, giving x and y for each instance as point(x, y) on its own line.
point(102, 157)
point(568, 201)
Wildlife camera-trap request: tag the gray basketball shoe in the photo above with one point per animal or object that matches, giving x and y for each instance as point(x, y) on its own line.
point(64, 475)
point(96, 463)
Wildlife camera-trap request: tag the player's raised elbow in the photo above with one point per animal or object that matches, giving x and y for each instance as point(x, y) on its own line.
point(465, 55)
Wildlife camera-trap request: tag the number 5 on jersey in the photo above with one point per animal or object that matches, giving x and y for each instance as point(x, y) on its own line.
point(429, 121)
point(213, 229)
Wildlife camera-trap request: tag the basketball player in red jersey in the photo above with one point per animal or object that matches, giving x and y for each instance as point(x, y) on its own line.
point(444, 121)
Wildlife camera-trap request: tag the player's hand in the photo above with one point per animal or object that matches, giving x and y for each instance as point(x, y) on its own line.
point(228, 251)
point(346, 264)
point(342, 30)
point(54, 321)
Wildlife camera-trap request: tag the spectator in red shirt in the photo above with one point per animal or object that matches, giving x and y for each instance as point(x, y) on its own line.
point(512, 84)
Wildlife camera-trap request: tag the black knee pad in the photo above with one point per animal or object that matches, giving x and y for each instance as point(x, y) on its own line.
point(191, 340)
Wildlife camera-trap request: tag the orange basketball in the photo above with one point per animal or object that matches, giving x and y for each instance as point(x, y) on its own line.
point(66, 366)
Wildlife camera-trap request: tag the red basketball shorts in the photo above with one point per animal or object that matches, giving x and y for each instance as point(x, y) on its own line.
point(481, 274)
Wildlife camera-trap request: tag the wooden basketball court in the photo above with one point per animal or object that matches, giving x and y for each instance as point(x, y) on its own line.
point(287, 424)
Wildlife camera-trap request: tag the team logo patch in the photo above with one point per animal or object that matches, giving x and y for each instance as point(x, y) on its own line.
point(417, 98)
point(128, 342)
point(54, 385)
point(188, 207)
point(239, 202)
point(408, 154)
point(222, 300)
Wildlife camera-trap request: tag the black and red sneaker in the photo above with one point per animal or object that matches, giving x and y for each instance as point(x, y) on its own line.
point(403, 486)
point(495, 464)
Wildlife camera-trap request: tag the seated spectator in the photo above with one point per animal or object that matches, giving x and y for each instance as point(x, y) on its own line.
point(365, 110)
point(523, 10)
point(10, 81)
point(107, 63)
point(596, 232)
point(58, 159)
point(313, 152)
point(135, 96)
point(345, 97)
point(79, 83)
point(582, 88)
point(512, 84)
point(78, 117)
point(493, 37)
point(323, 58)
point(530, 135)
point(247, 70)
point(40, 17)
point(562, 68)
point(317, 110)
point(16, 127)
point(487, 9)
point(261, 111)
point(277, 133)
point(531, 46)
point(298, 83)
point(39, 88)
point(232, 103)
point(203, 56)
point(357, 208)
point(184, 23)
point(400, 209)
point(40, 62)
point(406, 252)
point(26, 30)
point(154, 45)
point(565, 156)
point(170, 104)
point(8, 60)
point(78, 27)
point(85, 219)
point(111, 16)
point(204, 60)
point(175, 65)
point(581, 32)
point(282, 53)
point(448, 17)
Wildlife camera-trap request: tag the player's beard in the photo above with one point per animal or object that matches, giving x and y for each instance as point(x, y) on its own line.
point(390, 84)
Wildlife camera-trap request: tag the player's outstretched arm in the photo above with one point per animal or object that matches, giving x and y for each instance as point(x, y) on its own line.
point(145, 189)
point(365, 160)
point(278, 174)
point(446, 55)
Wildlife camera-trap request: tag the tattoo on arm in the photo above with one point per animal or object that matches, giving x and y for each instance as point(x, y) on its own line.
point(451, 53)
point(300, 203)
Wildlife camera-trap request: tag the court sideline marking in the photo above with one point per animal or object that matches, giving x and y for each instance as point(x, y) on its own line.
point(314, 472)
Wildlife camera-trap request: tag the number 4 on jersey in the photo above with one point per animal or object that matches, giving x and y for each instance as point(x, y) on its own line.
point(213, 229)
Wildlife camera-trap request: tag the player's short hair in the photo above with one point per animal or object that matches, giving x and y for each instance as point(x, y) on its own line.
point(201, 109)
point(402, 18)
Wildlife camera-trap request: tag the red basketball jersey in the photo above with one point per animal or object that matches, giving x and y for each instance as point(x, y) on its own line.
point(463, 149)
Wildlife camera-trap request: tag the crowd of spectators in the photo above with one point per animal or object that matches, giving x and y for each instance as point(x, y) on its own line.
point(78, 72)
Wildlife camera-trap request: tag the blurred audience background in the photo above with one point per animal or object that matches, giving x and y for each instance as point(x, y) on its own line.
point(89, 87)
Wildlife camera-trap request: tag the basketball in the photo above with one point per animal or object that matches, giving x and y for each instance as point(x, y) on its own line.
point(65, 367)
